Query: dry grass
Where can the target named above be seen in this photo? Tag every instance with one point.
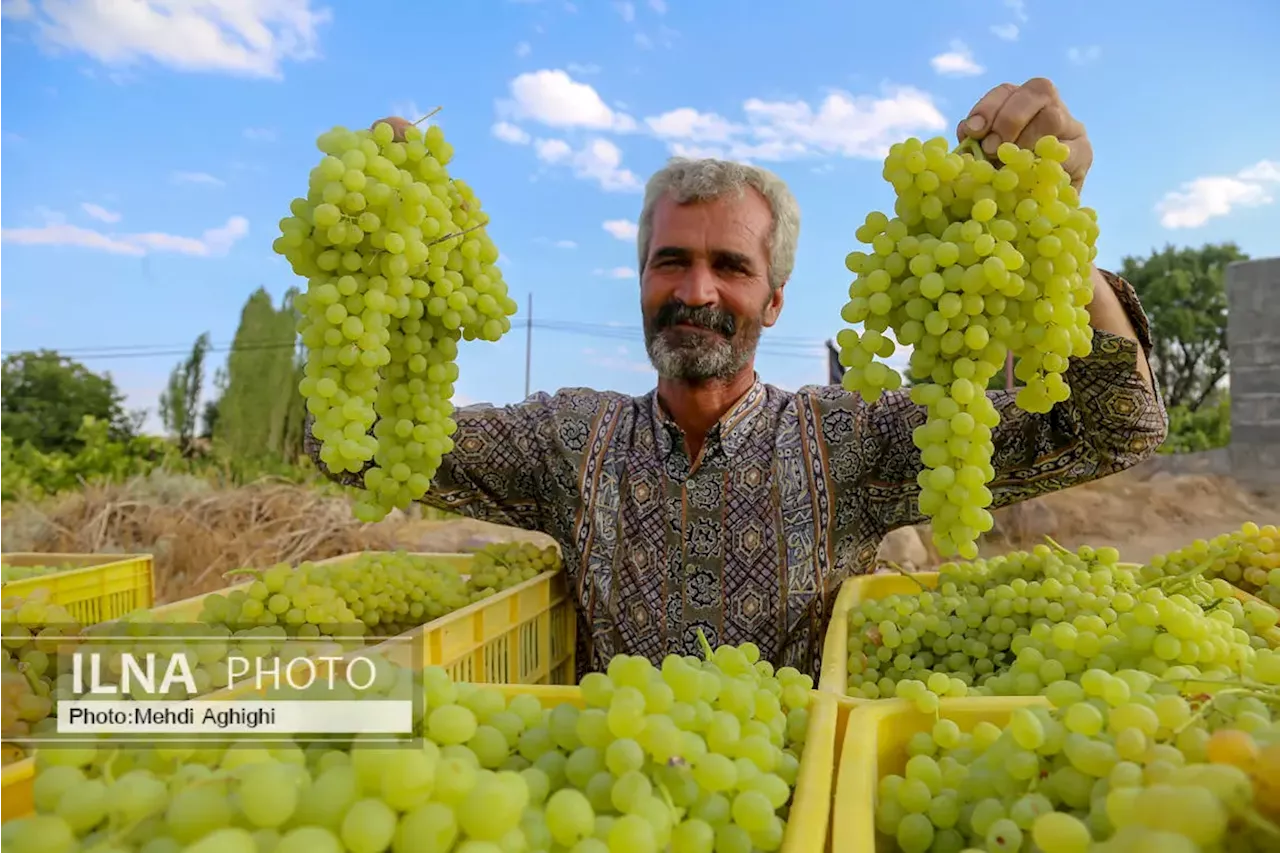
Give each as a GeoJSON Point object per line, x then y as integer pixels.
{"type": "Point", "coordinates": [196, 533]}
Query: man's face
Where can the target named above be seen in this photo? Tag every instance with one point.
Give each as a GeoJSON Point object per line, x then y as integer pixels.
{"type": "Point", "coordinates": [705, 292]}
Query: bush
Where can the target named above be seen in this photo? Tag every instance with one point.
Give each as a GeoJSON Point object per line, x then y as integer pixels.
{"type": "Point", "coordinates": [1194, 430]}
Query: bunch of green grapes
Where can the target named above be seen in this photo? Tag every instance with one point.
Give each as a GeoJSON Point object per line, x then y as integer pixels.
{"type": "Point", "coordinates": [399, 268]}
{"type": "Point", "coordinates": [1248, 558]}
{"type": "Point", "coordinates": [980, 260]}
{"type": "Point", "coordinates": [18, 573]}
{"type": "Point", "coordinates": [34, 631]}
{"type": "Point", "coordinates": [504, 564]}
{"type": "Point", "coordinates": [694, 756]}
{"type": "Point", "coordinates": [1117, 762]}
{"type": "Point", "coordinates": [373, 594]}
{"type": "Point", "coordinates": [1011, 625]}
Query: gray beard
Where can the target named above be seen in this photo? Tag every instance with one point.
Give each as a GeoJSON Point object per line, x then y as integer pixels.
{"type": "Point", "coordinates": [688, 356]}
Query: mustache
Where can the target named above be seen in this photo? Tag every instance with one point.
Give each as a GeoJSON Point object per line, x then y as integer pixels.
{"type": "Point", "coordinates": [702, 316]}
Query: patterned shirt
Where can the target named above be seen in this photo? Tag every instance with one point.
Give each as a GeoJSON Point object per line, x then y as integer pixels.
{"type": "Point", "coordinates": [793, 493]}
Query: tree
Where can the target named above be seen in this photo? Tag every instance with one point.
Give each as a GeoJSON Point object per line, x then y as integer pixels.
{"type": "Point", "coordinates": [209, 417]}
{"type": "Point", "coordinates": [260, 412]}
{"type": "Point", "coordinates": [180, 402]}
{"type": "Point", "coordinates": [46, 397]}
{"type": "Point", "coordinates": [1185, 297]}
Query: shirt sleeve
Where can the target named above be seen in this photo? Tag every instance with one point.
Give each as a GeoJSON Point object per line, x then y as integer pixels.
{"type": "Point", "coordinates": [499, 469]}
{"type": "Point", "coordinates": [1113, 420]}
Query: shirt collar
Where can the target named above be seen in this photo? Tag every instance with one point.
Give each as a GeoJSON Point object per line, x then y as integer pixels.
{"type": "Point", "coordinates": [730, 431]}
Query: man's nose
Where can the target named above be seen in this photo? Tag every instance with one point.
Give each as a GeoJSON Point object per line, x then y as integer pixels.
{"type": "Point", "coordinates": [697, 286]}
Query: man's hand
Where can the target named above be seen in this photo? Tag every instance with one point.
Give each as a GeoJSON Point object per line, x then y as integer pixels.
{"type": "Point", "coordinates": [1023, 114]}
{"type": "Point", "coordinates": [399, 125]}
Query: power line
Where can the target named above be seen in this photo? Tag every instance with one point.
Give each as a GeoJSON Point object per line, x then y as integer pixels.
{"type": "Point", "coordinates": [781, 346]}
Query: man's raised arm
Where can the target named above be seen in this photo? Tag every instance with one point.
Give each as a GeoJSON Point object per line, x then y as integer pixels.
{"type": "Point", "coordinates": [1113, 420]}
{"type": "Point", "coordinates": [499, 469]}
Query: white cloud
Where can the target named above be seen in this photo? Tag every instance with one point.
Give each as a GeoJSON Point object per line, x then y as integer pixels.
{"type": "Point", "coordinates": [18, 10]}
{"type": "Point", "coordinates": [99, 213]}
{"type": "Point", "coordinates": [583, 68]}
{"type": "Point", "coordinates": [689, 124]}
{"type": "Point", "coordinates": [626, 10]}
{"type": "Point", "coordinates": [509, 133]}
{"type": "Point", "coordinates": [553, 98]}
{"type": "Point", "coordinates": [260, 134]}
{"type": "Point", "coordinates": [247, 37]}
{"type": "Point", "coordinates": [552, 150]}
{"type": "Point", "coordinates": [565, 244]}
{"type": "Point", "coordinates": [523, 49]}
{"type": "Point", "coordinates": [841, 124]}
{"type": "Point", "coordinates": [617, 272]}
{"type": "Point", "coordinates": [1084, 55]}
{"type": "Point", "coordinates": [957, 62]}
{"type": "Point", "coordinates": [197, 178]}
{"type": "Point", "coordinates": [623, 229]}
{"type": "Point", "coordinates": [1019, 9]}
{"type": "Point", "coordinates": [1007, 32]}
{"type": "Point", "coordinates": [55, 232]}
{"type": "Point", "coordinates": [643, 41]}
{"type": "Point", "coordinates": [599, 161]}
{"type": "Point", "coordinates": [1198, 201]}
{"type": "Point", "coordinates": [658, 6]}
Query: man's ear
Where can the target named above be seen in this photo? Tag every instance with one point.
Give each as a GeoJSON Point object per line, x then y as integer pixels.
{"type": "Point", "coordinates": [773, 307]}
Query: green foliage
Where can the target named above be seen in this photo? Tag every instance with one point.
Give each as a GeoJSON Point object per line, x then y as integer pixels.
{"type": "Point", "coordinates": [260, 413]}
{"type": "Point", "coordinates": [1204, 428]}
{"type": "Point", "coordinates": [1185, 298]}
{"type": "Point", "coordinates": [180, 401]}
{"type": "Point", "coordinates": [27, 473]}
{"type": "Point", "coordinates": [46, 397]}
{"type": "Point", "coordinates": [100, 455]}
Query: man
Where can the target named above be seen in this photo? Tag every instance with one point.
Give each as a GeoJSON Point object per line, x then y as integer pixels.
{"type": "Point", "coordinates": [723, 504]}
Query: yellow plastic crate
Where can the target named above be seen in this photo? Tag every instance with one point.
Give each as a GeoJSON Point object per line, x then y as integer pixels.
{"type": "Point", "coordinates": [99, 588]}
{"type": "Point", "coordinates": [189, 608]}
{"type": "Point", "coordinates": [834, 678]}
{"type": "Point", "coordinates": [873, 744]}
{"type": "Point", "coordinates": [522, 635]}
{"type": "Point", "coordinates": [807, 828]}
{"type": "Point", "coordinates": [835, 650]}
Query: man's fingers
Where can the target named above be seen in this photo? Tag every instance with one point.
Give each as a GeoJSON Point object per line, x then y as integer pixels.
{"type": "Point", "coordinates": [1079, 161]}
{"type": "Point", "coordinates": [980, 119]}
{"type": "Point", "coordinates": [1018, 111]}
{"type": "Point", "coordinates": [1050, 121]}
{"type": "Point", "coordinates": [398, 124]}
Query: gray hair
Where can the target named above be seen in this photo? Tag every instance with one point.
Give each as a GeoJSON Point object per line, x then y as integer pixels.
{"type": "Point", "coordinates": [688, 181]}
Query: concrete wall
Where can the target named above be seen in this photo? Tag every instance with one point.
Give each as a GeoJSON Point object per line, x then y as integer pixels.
{"type": "Point", "coordinates": [1253, 334]}
{"type": "Point", "coordinates": [1216, 462]}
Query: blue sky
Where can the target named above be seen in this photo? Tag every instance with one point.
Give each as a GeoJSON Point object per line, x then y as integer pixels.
{"type": "Point", "coordinates": [148, 156]}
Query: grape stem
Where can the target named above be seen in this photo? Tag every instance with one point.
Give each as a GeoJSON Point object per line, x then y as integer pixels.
{"type": "Point", "coordinates": [428, 115]}
{"type": "Point", "coordinates": [461, 233]}
{"type": "Point", "coordinates": [973, 147]}
{"type": "Point", "coordinates": [706, 646]}
{"type": "Point", "coordinates": [1054, 544]}
{"type": "Point", "coordinates": [901, 571]}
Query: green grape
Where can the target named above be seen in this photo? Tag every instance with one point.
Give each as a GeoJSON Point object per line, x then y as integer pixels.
{"type": "Point", "coordinates": [399, 268]}
{"type": "Point", "coordinates": [463, 789]}
{"type": "Point", "coordinates": [980, 262]}
{"type": "Point", "coordinates": [1248, 558]}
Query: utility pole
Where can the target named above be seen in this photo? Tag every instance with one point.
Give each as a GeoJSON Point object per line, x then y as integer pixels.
{"type": "Point", "coordinates": [528, 346]}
